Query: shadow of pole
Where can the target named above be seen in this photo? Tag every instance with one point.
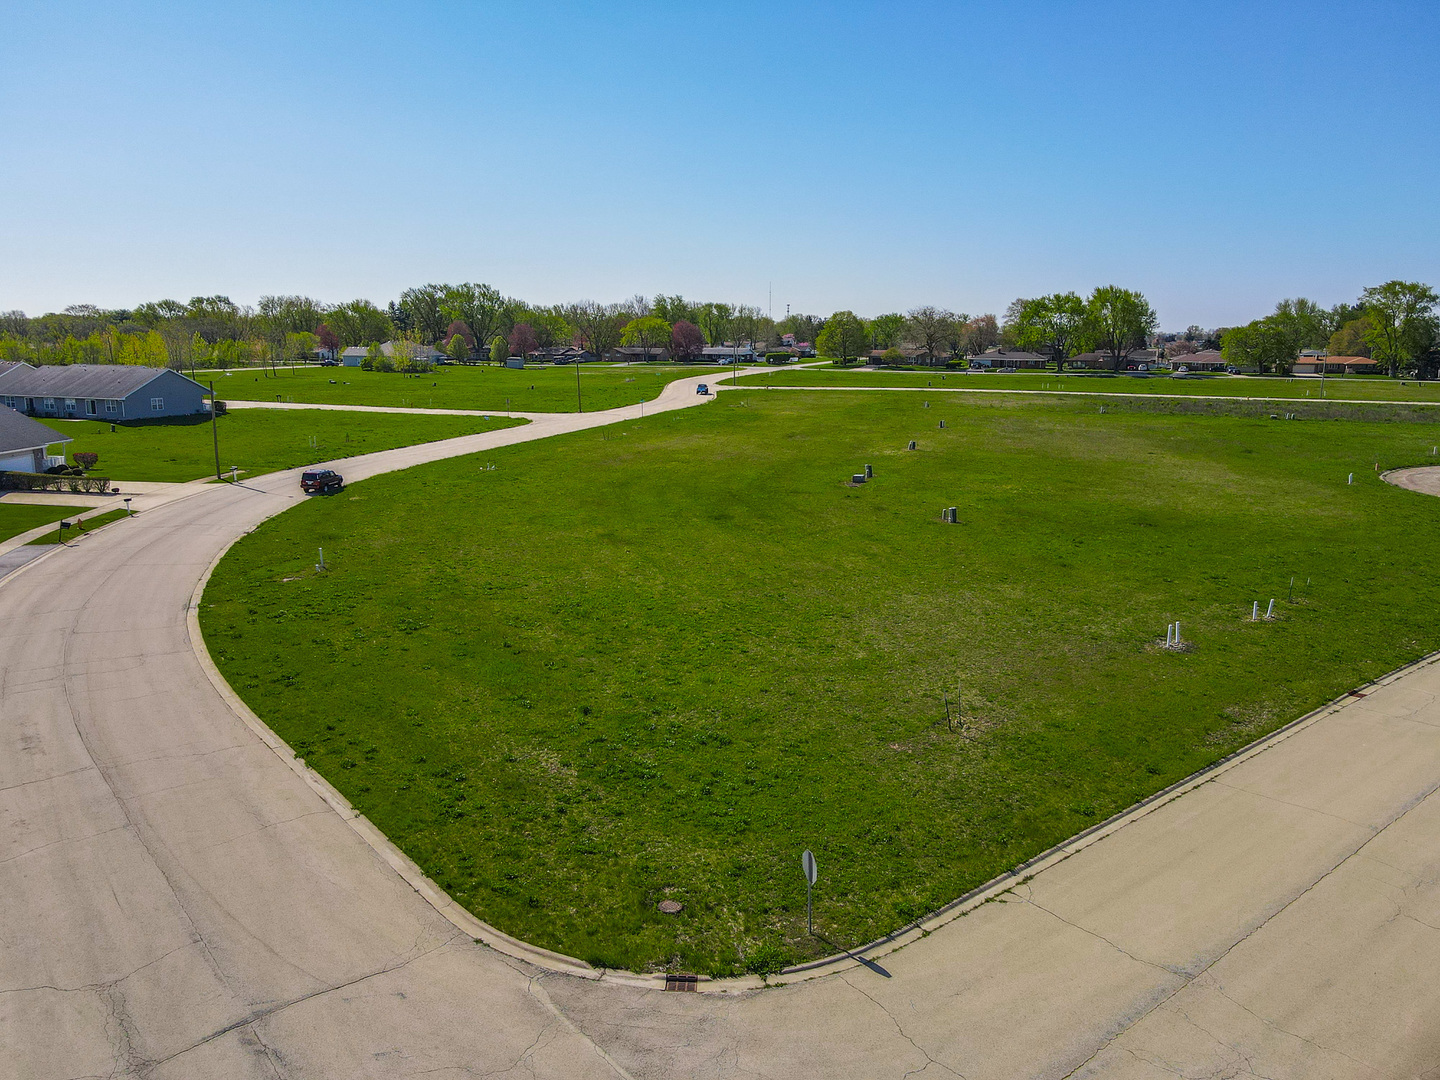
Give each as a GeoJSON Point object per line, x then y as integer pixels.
{"type": "Point", "coordinates": [871, 964]}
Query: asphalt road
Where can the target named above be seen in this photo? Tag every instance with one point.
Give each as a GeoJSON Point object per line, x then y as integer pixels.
{"type": "Point", "coordinates": [179, 899]}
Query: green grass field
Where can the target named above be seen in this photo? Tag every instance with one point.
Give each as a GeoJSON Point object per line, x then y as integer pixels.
{"type": "Point", "coordinates": [255, 440]}
{"type": "Point", "coordinates": [16, 518]}
{"type": "Point", "coordinates": [84, 525]}
{"type": "Point", "coordinates": [537, 389]}
{"type": "Point", "coordinates": [661, 658]}
{"type": "Point", "coordinates": [1306, 388]}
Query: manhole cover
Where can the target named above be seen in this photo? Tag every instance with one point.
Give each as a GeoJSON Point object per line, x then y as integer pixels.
{"type": "Point", "coordinates": [670, 907]}
{"type": "Point", "coordinates": [682, 983]}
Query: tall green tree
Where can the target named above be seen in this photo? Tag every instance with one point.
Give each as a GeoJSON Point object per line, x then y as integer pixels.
{"type": "Point", "coordinates": [648, 332]}
{"type": "Point", "coordinates": [424, 303]}
{"type": "Point", "coordinates": [597, 326]}
{"type": "Point", "coordinates": [480, 307]}
{"type": "Point", "coordinates": [715, 319]}
{"type": "Point", "coordinates": [1351, 339]}
{"type": "Point", "coordinates": [499, 349]}
{"type": "Point", "coordinates": [1049, 325]}
{"type": "Point", "coordinates": [886, 330]}
{"type": "Point", "coordinates": [1116, 321]}
{"type": "Point", "coordinates": [844, 337]}
{"type": "Point", "coordinates": [933, 329]}
{"type": "Point", "coordinates": [1264, 344]}
{"type": "Point", "coordinates": [1402, 321]}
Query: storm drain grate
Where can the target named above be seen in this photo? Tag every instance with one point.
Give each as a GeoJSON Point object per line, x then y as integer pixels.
{"type": "Point", "coordinates": [681, 982]}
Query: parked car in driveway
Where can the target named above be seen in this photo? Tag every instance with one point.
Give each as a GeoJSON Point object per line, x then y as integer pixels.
{"type": "Point", "coordinates": [703, 388]}
{"type": "Point", "coordinates": [321, 481]}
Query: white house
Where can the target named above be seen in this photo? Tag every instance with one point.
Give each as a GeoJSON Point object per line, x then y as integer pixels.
{"type": "Point", "coordinates": [25, 443]}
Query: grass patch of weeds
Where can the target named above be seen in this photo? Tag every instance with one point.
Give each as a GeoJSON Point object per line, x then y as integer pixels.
{"type": "Point", "coordinates": [620, 669]}
{"type": "Point", "coordinates": [17, 518]}
{"type": "Point", "coordinates": [83, 525]}
{"type": "Point", "coordinates": [1306, 389]}
{"type": "Point", "coordinates": [533, 389]}
{"type": "Point", "coordinates": [255, 440]}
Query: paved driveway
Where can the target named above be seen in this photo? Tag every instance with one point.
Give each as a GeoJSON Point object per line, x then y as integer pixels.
{"type": "Point", "coordinates": [177, 901]}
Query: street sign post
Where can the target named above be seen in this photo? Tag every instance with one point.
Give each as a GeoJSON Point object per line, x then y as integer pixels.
{"type": "Point", "coordinates": [807, 863]}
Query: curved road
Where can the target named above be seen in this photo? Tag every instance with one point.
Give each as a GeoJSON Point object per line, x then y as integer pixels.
{"type": "Point", "coordinates": [177, 900]}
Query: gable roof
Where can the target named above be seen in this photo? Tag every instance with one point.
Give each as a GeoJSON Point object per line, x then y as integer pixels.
{"type": "Point", "coordinates": [7, 365]}
{"type": "Point", "coordinates": [19, 432]}
{"type": "Point", "coordinates": [80, 380]}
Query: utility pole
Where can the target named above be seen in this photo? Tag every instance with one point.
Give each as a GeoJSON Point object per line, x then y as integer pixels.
{"type": "Point", "coordinates": [214, 431]}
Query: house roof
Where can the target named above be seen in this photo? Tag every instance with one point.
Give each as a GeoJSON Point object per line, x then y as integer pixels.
{"type": "Point", "coordinates": [18, 432]}
{"type": "Point", "coordinates": [80, 380]}
{"type": "Point", "coordinates": [998, 353]}
{"type": "Point", "coordinates": [1347, 360]}
{"type": "Point", "coordinates": [6, 365]}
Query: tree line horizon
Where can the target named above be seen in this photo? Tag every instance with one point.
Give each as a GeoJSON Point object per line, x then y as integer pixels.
{"type": "Point", "coordinates": [1394, 323]}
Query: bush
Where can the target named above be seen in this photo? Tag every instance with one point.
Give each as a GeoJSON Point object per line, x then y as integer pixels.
{"type": "Point", "coordinates": [778, 357]}
{"type": "Point", "coordinates": [85, 459]}
{"type": "Point", "coordinates": [24, 481]}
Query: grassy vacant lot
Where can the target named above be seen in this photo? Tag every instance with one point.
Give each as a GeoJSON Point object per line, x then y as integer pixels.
{"type": "Point", "coordinates": [464, 387]}
{"type": "Point", "coordinates": [16, 518]}
{"type": "Point", "coordinates": [84, 525]}
{"type": "Point", "coordinates": [1342, 388]}
{"type": "Point", "coordinates": [256, 440]}
{"type": "Point", "coordinates": [660, 659]}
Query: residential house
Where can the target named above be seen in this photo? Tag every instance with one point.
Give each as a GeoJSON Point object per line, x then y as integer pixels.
{"type": "Point", "coordinates": [101, 392]}
{"type": "Point", "coordinates": [631, 354]}
{"type": "Point", "coordinates": [1101, 361]}
{"type": "Point", "coordinates": [355, 355]}
{"type": "Point", "coordinates": [1208, 360]}
{"type": "Point", "coordinates": [25, 444]}
{"type": "Point", "coordinates": [1008, 358]}
{"type": "Point", "coordinates": [1323, 365]}
{"type": "Point", "coordinates": [724, 354]}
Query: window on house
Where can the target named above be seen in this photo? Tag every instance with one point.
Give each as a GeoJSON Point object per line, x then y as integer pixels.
{"type": "Point", "coordinates": [69, 404]}
{"type": "Point", "coordinates": [49, 404]}
{"type": "Point", "coordinates": [90, 408]}
{"type": "Point", "coordinates": [157, 404]}
{"type": "Point", "coordinates": [10, 403]}
{"type": "Point", "coordinates": [109, 406]}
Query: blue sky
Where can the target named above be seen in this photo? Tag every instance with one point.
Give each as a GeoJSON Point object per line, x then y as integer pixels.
{"type": "Point", "coordinates": [870, 156]}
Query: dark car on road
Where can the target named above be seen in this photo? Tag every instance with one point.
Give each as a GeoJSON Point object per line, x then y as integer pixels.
{"type": "Point", "coordinates": [321, 481]}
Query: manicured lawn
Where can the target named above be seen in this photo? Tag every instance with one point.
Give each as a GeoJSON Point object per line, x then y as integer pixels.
{"type": "Point", "coordinates": [255, 440]}
{"type": "Point", "coordinates": [537, 389]}
{"type": "Point", "coordinates": [16, 518]}
{"type": "Point", "coordinates": [662, 658]}
{"type": "Point", "coordinates": [1342, 388]}
{"type": "Point", "coordinates": [84, 525]}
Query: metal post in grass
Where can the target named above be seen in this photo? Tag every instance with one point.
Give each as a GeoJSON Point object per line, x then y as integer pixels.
{"type": "Point", "coordinates": [579, 407]}
{"type": "Point", "coordinates": [807, 863]}
{"type": "Point", "coordinates": [215, 431]}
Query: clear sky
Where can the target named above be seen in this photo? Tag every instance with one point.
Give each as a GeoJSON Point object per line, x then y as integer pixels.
{"type": "Point", "coordinates": [872, 156]}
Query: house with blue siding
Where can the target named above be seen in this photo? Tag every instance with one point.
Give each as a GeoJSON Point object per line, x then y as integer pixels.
{"type": "Point", "coordinates": [101, 392]}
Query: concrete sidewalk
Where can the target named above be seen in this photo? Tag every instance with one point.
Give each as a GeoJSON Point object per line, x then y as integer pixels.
{"type": "Point", "coordinates": [181, 901]}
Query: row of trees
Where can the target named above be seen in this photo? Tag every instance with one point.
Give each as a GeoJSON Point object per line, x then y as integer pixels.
{"type": "Point", "coordinates": [214, 331]}
{"type": "Point", "coordinates": [1394, 323]}
{"type": "Point", "coordinates": [1112, 320]}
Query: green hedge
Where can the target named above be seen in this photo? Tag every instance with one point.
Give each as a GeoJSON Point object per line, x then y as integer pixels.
{"type": "Point", "coordinates": [26, 481]}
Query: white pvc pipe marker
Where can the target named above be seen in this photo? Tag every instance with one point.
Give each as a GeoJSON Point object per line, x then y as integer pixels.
{"type": "Point", "coordinates": [1270, 611]}
{"type": "Point", "coordinates": [1255, 612]}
